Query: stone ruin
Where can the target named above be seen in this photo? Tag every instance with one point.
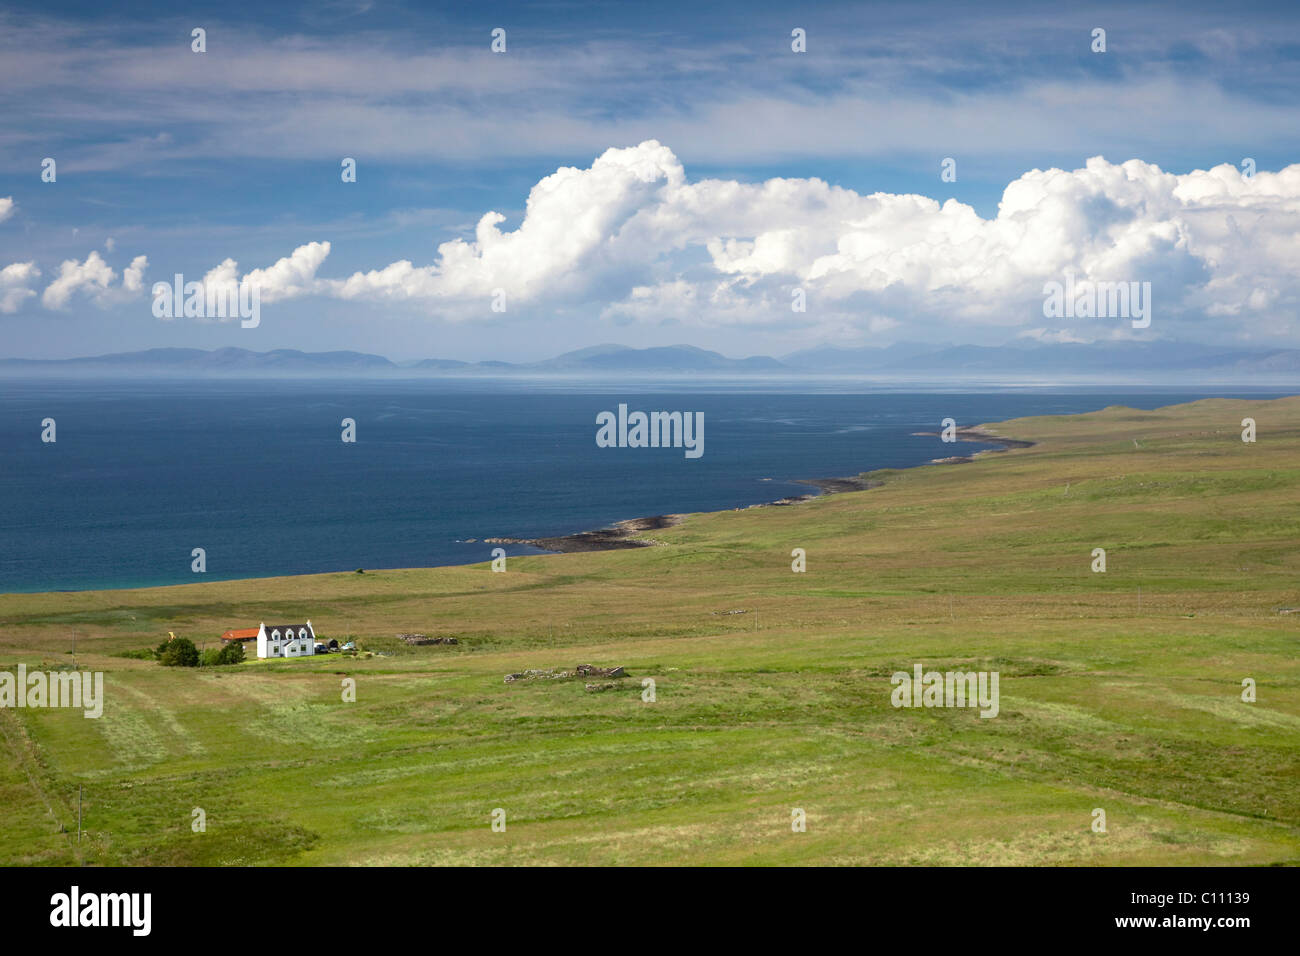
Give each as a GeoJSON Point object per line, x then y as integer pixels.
{"type": "Point", "coordinates": [420, 639]}
{"type": "Point", "coordinates": [582, 670]}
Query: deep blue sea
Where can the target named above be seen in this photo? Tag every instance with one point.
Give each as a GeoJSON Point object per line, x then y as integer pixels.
{"type": "Point", "coordinates": [255, 471]}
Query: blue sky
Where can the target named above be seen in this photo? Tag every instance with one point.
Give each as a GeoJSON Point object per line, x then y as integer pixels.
{"type": "Point", "coordinates": [191, 159]}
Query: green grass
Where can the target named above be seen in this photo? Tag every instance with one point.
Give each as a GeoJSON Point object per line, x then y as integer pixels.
{"type": "Point", "coordinates": [1104, 703]}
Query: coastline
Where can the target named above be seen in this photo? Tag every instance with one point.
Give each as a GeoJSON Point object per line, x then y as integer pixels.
{"type": "Point", "coordinates": [621, 534]}
{"type": "Point", "coordinates": [976, 433]}
{"type": "Point", "coordinates": [627, 533]}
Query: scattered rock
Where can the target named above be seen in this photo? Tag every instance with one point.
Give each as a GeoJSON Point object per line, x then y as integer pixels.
{"type": "Point", "coordinates": [588, 670]}
{"type": "Point", "coordinates": [597, 688]}
{"type": "Point", "coordinates": [419, 639]}
{"type": "Point", "coordinates": [550, 673]}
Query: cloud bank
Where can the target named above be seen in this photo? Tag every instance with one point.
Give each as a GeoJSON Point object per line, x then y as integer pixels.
{"type": "Point", "coordinates": [877, 81]}
{"type": "Point", "coordinates": [632, 239]}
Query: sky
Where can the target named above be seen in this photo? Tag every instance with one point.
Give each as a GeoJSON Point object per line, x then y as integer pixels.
{"type": "Point", "coordinates": [646, 174]}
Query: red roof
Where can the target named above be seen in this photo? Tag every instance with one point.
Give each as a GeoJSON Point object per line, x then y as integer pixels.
{"type": "Point", "coordinates": [246, 634]}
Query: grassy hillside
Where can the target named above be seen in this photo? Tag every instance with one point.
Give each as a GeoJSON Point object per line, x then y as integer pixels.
{"type": "Point", "coordinates": [1119, 691]}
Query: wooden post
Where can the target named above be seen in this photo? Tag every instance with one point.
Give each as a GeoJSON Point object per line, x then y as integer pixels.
{"type": "Point", "coordinates": [78, 813]}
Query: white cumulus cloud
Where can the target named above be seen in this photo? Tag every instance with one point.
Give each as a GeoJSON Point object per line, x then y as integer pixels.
{"type": "Point", "coordinates": [95, 278]}
{"type": "Point", "coordinates": [290, 277]}
{"type": "Point", "coordinates": [15, 284]}
{"type": "Point", "coordinates": [93, 275]}
{"type": "Point", "coordinates": [562, 245]}
{"type": "Point", "coordinates": [133, 275]}
{"type": "Point", "coordinates": [632, 237]}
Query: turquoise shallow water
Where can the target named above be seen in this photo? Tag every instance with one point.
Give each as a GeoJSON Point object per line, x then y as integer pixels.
{"type": "Point", "coordinates": [255, 473]}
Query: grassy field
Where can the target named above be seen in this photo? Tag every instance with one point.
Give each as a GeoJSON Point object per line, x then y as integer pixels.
{"type": "Point", "coordinates": [1119, 690]}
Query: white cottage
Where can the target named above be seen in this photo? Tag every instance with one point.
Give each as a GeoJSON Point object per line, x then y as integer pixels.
{"type": "Point", "coordinates": [286, 640]}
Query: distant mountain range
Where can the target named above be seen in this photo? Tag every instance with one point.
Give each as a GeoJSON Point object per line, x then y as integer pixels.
{"type": "Point", "coordinates": [1164, 361]}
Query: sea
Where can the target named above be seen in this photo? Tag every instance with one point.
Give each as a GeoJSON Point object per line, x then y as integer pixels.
{"type": "Point", "coordinates": [255, 472]}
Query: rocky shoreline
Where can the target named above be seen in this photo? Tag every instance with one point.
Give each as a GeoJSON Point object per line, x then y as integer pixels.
{"type": "Point", "coordinates": [629, 533]}
{"type": "Point", "coordinates": [621, 534]}
{"type": "Point", "coordinates": [976, 435]}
